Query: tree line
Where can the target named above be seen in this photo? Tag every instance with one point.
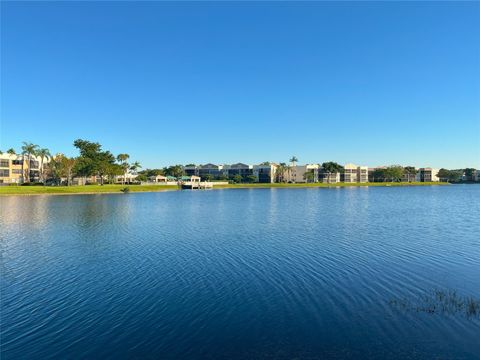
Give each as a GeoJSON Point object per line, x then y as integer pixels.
{"type": "Point", "coordinates": [92, 161]}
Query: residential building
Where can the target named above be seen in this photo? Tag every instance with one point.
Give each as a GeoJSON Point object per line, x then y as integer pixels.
{"type": "Point", "coordinates": [329, 178]}
{"type": "Point", "coordinates": [157, 179]}
{"type": "Point", "coordinates": [241, 169]}
{"type": "Point", "coordinates": [427, 175]}
{"type": "Point", "coordinates": [355, 174]}
{"type": "Point", "coordinates": [210, 169]}
{"type": "Point", "coordinates": [191, 170]}
{"type": "Point", "coordinates": [362, 174]}
{"type": "Point", "coordinates": [16, 169]}
{"type": "Point", "coordinates": [265, 173]}
{"type": "Point", "coordinates": [127, 179]}
{"type": "Point", "coordinates": [298, 173]}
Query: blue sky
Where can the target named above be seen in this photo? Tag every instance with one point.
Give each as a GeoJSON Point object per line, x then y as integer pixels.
{"type": "Point", "coordinates": [371, 83]}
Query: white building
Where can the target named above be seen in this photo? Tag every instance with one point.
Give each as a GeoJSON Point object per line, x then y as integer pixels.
{"type": "Point", "coordinates": [355, 174]}
{"type": "Point", "coordinates": [427, 175]}
{"type": "Point", "coordinates": [298, 173]}
{"type": "Point", "coordinates": [265, 173]}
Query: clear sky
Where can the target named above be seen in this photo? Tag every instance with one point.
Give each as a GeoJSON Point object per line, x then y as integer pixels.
{"type": "Point", "coordinates": [371, 83]}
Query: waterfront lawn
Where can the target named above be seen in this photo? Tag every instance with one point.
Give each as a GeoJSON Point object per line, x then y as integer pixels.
{"type": "Point", "coordinates": [98, 189]}
{"type": "Point", "coordinates": [85, 189]}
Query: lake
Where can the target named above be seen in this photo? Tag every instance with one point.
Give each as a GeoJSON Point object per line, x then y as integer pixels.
{"type": "Point", "coordinates": [347, 273]}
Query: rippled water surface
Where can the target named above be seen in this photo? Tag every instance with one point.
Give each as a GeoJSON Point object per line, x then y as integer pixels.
{"type": "Point", "coordinates": [241, 274]}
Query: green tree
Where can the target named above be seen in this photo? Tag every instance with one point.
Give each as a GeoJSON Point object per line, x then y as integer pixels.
{"type": "Point", "coordinates": [379, 174]}
{"type": "Point", "coordinates": [11, 151]}
{"type": "Point", "coordinates": [61, 166]}
{"type": "Point", "coordinates": [93, 160]}
{"type": "Point", "coordinates": [237, 178]}
{"type": "Point", "coordinates": [394, 172]}
{"type": "Point", "coordinates": [44, 154]}
{"type": "Point", "coordinates": [282, 169]}
{"type": "Point", "coordinates": [450, 175]}
{"type": "Point", "coordinates": [28, 149]}
{"type": "Point", "coordinates": [293, 160]}
{"type": "Point", "coordinates": [411, 173]}
{"type": "Point", "coordinates": [309, 176]}
{"type": "Point", "coordinates": [114, 170]}
{"type": "Point", "coordinates": [175, 170]}
{"type": "Point", "coordinates": [122, 159]}
{"type": "Point", "coordinates": [251, 178]}
{"type": "Point", "coordinates": [67, 166]}
{"type": "Point", "coordinates": [470, 174]}
{"type": "Point", "coordinates": [135, 166]}
{"type": "Point", "coordinates": [330, 168]}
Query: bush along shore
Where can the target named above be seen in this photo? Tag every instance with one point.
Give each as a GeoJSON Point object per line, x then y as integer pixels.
{"type": "Point", "coordinates": [122, 189]}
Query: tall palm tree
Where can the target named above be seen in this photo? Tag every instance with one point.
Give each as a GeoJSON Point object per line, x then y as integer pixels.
{"type": "Point", "coordinates": [293, 160]}
{"type": "Point", "coordinates": [281, 170]}
{"type": "Point", "coordinates": [28, 149]}
{"type": "Point", "coordinates": [122, 159]}
{"type": "Point", "coordinates": [44, 154]}
{"type": "Point", "coordinates": [135, 166]}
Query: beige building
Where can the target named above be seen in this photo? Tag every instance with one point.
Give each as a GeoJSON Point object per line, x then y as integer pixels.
{"type": "Point", "coordinates": [298, 173]}
{"type": "Point", "coordinates": [427, 175]}
{"type": "Point", "coordinates": [329, 178]}
{"type": "Point", "coordinates": [16, 169]}
{"type": "Point", "coordinates": [265, 173]}
{"type": "Point", "coordinates": [355, 174]}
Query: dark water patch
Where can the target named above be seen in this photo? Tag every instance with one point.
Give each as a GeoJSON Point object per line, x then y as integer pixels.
{"type": "Point", "coordinates": [440, 302]}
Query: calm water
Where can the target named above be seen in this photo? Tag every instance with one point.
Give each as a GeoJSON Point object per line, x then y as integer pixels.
{"type": "Point", "coordinates": [241, 274]}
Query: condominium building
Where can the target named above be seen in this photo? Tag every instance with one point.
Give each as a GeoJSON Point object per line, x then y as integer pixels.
{"type": "Point", "coordinates": [329, 178]}
{"type": "Point", "coordinates": [427, 174]}
{"type": "Point", "coordinates": [300, 173]}
{"type": "Point", "coordinates": [241, 169]}
{"type": "Point", "coordinates": [210, 169]}
{"type": "Point", "coordinates": [17, 169]}
{"type": "Point", "coordinates": [191, 170]}
{"type": "Point", "coordinates": [355, 174]}
{"type": "Point", "coordinates": [265, 173]}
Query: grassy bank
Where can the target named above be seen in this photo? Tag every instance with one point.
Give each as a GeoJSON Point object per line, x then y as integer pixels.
{"type": "Point", "coordinates": [98, 189]}
{"type": "Point", "coordinates": [88, 189]}
{"type": "Point", "coordinates": [322, 185]}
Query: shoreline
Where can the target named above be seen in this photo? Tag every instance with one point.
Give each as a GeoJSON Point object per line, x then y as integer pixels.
{"type": "Point", "coordinates": [115, 189]}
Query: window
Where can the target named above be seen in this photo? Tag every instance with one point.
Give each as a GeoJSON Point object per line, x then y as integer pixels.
{"type": "Point", "coordinates": [4, 173]}
{"type": "Point", "coordinates": [17, 171]}
{"type": "Point", "coordinates": [4, 163]}
{"type": "Point", "coordinates": [16, 162]}
{"type": "Point", "coordinates": [34, 164]}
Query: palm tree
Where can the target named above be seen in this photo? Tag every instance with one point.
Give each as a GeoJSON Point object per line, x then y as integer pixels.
{"type": "Point", "coordinates": [281, 170]}
{"type": "Point", "coordinates": [135, 166]}
{"type": "Point", "coordinates": [122, 158]}
{"type": "Point", "coordinates": [28, 149]}
{"type": "Point", "coordinates": [44, 154]}
{"type": "Point", "coordinates": [293, 160]}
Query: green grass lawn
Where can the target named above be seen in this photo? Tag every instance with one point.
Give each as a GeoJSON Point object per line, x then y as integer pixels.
{"type": "Point", "coordinates": [88, 189]}
{"type": "Point", "coordinates": [98, 189]}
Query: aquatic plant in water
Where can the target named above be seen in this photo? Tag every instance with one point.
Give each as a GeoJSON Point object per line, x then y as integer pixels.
{"type": "Point", "coordinates": [440, 302]}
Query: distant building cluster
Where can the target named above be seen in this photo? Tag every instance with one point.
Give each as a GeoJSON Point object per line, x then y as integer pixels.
{"type": "Point", "coordinates": [17, 168]}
